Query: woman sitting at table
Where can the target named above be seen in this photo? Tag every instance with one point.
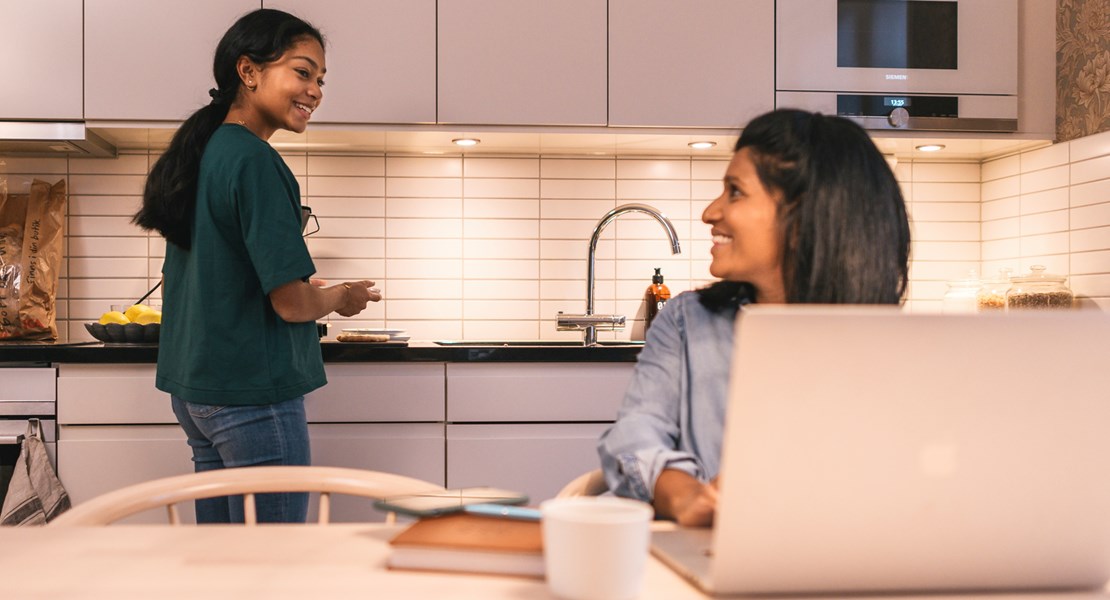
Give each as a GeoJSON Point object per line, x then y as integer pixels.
{"type": "Point", "coordinates": [810, 213]}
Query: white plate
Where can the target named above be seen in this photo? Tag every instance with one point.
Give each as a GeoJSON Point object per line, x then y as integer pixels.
{"type": "Point", "coordinates": [375, 331]}
{"type": "Point", "coordinates": [398, 338]}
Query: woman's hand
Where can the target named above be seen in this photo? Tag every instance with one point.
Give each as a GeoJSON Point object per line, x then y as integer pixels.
{"type": "Point", "coordinates": [299, 302]}
{"type": "Point", "coordinates": [358, 295]}
{"type": "Point", "coordinates": [682, 498]}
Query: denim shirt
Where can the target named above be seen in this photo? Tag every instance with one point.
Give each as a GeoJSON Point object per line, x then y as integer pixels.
{"type": "Point", "coordinates": [673, 413]}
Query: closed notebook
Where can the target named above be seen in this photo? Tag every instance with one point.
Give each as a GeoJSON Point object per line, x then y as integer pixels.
{"type": "Point", "coordinates": [470, 543]}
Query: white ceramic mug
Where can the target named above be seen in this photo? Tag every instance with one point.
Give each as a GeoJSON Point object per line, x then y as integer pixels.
{"type": "Point", "coordinates": [595, 547]}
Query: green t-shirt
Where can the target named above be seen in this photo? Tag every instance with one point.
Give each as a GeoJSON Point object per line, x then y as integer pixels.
{"type": "Point", "coordinates": [221, 341]}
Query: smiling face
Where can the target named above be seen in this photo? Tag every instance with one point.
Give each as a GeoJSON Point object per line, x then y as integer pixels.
{"type": "Point", "coordinates": [286, 91]}
{"type": "Point", "coordinates": [747, 245]}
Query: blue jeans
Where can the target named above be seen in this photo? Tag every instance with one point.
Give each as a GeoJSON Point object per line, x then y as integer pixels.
{"type": "Point", "coordinates": [239, 436]}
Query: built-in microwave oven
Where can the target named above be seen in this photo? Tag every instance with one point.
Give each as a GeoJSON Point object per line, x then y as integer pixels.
{"type": "Point", "coordinates": [901, 64]}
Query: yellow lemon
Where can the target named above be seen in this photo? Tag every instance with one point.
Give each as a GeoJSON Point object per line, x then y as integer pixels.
{"type": "Point", "coordinates": [148, 317]}
{"type": "Point", "coordinates": [133, 312]}
{"type": "Point", "coordinates": [114, 316]}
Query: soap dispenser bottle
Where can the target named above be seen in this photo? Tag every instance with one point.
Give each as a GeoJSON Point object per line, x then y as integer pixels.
{"type": "Point", "coordinates": [656, 297]}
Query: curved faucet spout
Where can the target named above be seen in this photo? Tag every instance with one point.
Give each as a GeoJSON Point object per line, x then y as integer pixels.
{"type": "Point", "coordinates": [609, 218]}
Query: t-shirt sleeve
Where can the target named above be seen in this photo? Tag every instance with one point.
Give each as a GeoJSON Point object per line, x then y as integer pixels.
{"type": "Point", "coordinates": [268, 204]}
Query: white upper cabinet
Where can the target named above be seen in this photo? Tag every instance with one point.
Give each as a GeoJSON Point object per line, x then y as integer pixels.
{"type": "Point", "coordinates": [675, 63]}
{"type": "Point", "coordinates": [381, 58]}
{"type": "Point", "coordinates": [40, 53]}
{"type": "Point", "coordinates": [149, 60]}
{"type": "Point", "coordinates": [513, 62]}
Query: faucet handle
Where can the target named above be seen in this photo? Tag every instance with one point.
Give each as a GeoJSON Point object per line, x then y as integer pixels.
{"type": "Point", "coordinates": [567, 322]}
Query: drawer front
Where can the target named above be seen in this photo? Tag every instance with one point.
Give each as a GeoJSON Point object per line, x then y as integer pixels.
{"type": "Point", "coordinates": [361, 393]}
{"type": "Point", "coordinates": [27, 384]}
{"type": "Point", "coordinates": [111, 394]}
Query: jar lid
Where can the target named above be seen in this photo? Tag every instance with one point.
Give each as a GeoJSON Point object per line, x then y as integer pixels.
{"type": "Point", "coordinates": [1037, 274]}
{"type": "Point", "coordinates": [1004, 275]}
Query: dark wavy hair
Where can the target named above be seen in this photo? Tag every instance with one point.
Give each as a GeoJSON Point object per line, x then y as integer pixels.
{"type": "Point", "coordinates": [169, 198]}
{"type": "Point", "coordinates": [842, 218]}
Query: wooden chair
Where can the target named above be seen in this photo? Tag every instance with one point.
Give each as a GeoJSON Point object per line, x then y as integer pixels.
{"type": "Point", "coordinates": [586, 484]}
{"type": "Point", "coordinates": [246, 481]}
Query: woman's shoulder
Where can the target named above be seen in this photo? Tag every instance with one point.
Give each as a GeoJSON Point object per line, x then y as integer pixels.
{"type": "Point", "coordinates": [236, 147]}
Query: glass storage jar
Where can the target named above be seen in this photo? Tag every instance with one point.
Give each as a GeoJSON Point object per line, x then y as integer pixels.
{"type": "Point", "coordinates": [960, 297]}
{"type": "Point", "coordinates": [1038, 290]}
{"type": "Point", "coordinates": [991, 297]}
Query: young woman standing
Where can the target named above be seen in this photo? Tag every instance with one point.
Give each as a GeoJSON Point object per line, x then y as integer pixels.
{"type": "Point", "coordinates": [239, 346]}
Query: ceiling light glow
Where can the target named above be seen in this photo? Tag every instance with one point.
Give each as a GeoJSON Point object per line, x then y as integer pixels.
{"type": "Point", "coordinates": [466, 141]}
{"type": "Point", "coordinates": [702, 145]}
{"type": "Point", "coordinates": [930, 147]}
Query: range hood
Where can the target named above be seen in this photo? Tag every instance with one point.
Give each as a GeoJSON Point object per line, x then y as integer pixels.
{"type": "Point", "coordinates": [51, 138]}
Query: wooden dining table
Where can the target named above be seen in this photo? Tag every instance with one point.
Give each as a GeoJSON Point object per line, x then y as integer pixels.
{"type": "Point", "coordinates": [272, 562]}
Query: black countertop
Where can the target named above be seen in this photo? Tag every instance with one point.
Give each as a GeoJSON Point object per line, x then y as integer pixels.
{"type": "Point", "coordinates": [334, 352]}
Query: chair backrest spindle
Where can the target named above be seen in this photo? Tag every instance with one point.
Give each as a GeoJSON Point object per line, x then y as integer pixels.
{"type": "Point", "coordinates": [242, 481]}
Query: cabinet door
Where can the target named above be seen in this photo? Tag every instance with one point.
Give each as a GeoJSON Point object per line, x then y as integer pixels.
{"type": "Point", "coordinates": [153, 60]}
{"type": "Point", "coordinates": [511, 62]}
{"type": "Point", "coordinates": [40, 53]}
{"type": "Point", "coordinates": [536, 459]}
{"type": "Point", "coordinates": [94, 460]}
{"type": "Point", "coordinates": [535, 392]}
{"type": "Point", "coordinates": [709, 63]}
{"type": "Point", "coordinates": [98, 459]}
{"type": "Point", "coordinates": [381, 57]}
{"type": "Point", "coordinates": [409, 449]}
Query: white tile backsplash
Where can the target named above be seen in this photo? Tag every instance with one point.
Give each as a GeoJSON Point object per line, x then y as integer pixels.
{"type": "Point", "coordinates": [572, 168]}
{"type": "Point", "coordinates": [1094, 192]}
{"type": "Point", "coordinates": [1090, 170]}
{"type": "Point", "coordinates": [1049, 200]}
{"type": "Point", "coordinates": [355, 166]}
{"type": "Point", "coordinates": [498, 168]}
{"type": "Point", "coordinates": [423, 167]}
{"type": "Point", "coordinates": [493, 247]}
{"type": "Point", "coordinates": [586, 189]}
{"type": "Point", "coordinates": [1006, 187]}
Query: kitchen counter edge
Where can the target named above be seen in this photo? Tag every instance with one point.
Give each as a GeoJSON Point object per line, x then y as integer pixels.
{"type": "Point", "coordinates": [334, 352]}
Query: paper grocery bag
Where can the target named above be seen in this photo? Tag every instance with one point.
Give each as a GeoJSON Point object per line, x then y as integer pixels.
{"type": "Point", "coordinates": [31, 230]}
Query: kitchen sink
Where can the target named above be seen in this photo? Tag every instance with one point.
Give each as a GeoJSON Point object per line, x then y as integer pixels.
{"type": "Point", "coordinates": [548, 343]}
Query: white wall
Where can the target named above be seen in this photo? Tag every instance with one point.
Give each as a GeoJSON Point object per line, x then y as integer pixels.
{"type": "Point", "coordinates": [493, 247]}
{"type": "Point", "coordinates": [1051, 206]}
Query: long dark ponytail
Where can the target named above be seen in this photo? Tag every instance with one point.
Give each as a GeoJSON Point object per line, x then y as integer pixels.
{"type": "Point", "coordinates": [169, 198]}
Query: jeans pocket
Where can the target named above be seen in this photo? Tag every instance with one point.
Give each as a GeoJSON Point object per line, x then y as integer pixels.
{"type": "Point", "coordinates": [203, 411]}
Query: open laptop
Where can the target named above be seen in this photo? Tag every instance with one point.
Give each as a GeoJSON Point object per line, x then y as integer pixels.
{"type": "Point", "coordinates": [871, 450]}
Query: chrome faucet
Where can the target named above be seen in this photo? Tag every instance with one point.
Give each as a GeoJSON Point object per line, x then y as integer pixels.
{"type": "Point", "coordinates": [589, 323]}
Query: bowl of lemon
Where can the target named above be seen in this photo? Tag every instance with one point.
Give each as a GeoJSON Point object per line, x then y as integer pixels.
{"type": "Point", "coordinates": [137, 324]}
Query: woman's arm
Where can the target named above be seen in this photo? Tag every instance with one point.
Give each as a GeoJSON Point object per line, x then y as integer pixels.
{"type": "Point", "coordinates": [680, 497]}
{"type": "Point", "coordinates": [647, 437]}
{"type": "Point", "coordinates": [300, 302]}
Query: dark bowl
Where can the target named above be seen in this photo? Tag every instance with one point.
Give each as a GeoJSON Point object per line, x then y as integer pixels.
{"type": "Point", "coordinates": [131, 333]}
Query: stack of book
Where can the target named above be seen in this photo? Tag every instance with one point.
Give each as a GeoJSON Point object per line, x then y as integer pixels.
{"type": "Point", "coordinates": [466, 542]}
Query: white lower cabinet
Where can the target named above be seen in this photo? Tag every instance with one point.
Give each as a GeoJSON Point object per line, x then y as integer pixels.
{"type": "Point", "coordinates": [530, 427]}
{"type": "Point", "coordinates": [410, 449]}
{"type": "Point", "coordinates": [534, 458]}
{"type": "Point", "coordinates": [96, 459]}
{"type": "Point", "coordinates": [116, 429]}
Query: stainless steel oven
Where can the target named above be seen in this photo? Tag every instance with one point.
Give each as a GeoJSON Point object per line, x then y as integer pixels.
{"type": "Point", "coordinates": [26, 392]}
{"type": "Point", "coordinates": [890, 64]}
